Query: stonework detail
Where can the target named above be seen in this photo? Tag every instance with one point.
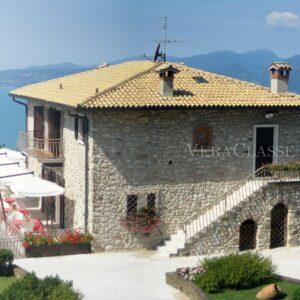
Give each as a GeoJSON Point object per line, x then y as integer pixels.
{"type": "Point", "coordinates": [223, 235]}
{"type": "Point", "coordinates": [73, 166]}
{"type": "Point", "coordinates": [151, 151]}
{"type": "Point", "coordinates": [146, 151]}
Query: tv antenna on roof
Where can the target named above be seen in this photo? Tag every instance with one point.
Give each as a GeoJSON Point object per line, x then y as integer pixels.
{"type": "Point", "coordinates": [165, 41]}
{"type": "Point", "coordinates": [162, 55]}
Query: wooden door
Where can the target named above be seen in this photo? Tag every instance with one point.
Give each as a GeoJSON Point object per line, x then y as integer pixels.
{"type": "Point", "coordinates": [49, 203]}
{"type": "Point", "coordinates": [54, 124]}
{"type": "Point", "coordinates": [38, 128]}
{"type": "Point", "coordinates": [264, 146]}
{"type": "Point", "coordinates": [38, 132]}
{"type": "Point", "coordinates": [54, 142]}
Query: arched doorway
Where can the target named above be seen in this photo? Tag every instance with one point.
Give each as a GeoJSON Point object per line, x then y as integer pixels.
{"type": "Point", "coordinates": [278, 225]}
{"type": "Point", "coordinates": [248, 235]}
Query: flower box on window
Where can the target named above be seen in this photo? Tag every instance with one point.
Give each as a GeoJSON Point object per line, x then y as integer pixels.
{"type": "Point", "coordinates": [143, 221]}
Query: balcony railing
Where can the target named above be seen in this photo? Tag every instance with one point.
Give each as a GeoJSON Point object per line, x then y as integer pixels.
{"type": "Point", "coordinates": [41, 148]}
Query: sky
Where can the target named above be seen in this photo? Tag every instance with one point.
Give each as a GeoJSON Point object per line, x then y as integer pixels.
{"type": "Point", "coordinates": [89, 32]}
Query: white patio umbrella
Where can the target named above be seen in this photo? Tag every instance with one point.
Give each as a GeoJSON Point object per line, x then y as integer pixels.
{"type": "Point", "coordinates": [12, 173]}
{"type": "Point", "coordinates": [36, 187]}
{"type": "Point", "coordinates": [24, 184]}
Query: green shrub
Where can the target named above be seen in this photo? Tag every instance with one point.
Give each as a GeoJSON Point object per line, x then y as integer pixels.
{"type": "Point", "coordinates": [235, 271]}
{"type": "Point", "coordinates": [49, 288]}
{"type": "Point", "coordinates": [296, 295]}
{"type": "Point", "coordinates": [6, 260]}
{"type": "Point", "coordinates": [287, 166]}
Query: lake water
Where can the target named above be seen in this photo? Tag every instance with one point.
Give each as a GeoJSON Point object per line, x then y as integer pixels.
{"type": "Point", "coordinates": [12, 119]}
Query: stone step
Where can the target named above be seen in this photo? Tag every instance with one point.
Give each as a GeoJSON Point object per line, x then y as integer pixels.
{"type": "Point", "coordinates": [177, 240]}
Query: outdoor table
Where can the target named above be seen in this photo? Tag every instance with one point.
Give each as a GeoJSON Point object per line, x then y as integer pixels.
{"type": "Point", "coordinates": [38, 225]}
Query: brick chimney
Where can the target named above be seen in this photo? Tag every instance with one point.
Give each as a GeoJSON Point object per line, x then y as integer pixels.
{"type": "Point", "coordinates": [280, 73]}
{"type": "Point", "coordinates": [166, 75]}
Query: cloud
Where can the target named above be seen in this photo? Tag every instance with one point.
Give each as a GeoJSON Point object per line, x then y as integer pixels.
{"type": "Point", "coordinates": [285, 20]}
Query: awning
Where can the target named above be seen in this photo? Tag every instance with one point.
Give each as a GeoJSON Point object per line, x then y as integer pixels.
{"type": "Point", "coordinates": [11, 173]}
{"type": "Point", "coordinates": [22, 182]}
{"type": "Point", "coordinates": [36, 187]}
{"type": "Point", "coordinates": [5, 161]}
{"type": "Point", "coordinates": [16, 155]}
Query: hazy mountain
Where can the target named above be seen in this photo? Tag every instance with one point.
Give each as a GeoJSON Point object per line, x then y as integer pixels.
{"type": "Point", "coordinates": [250, 66]}
{"type": "Point", "coordinates": [63, 66]}
{"type": "Point", "coordinates": [33, 74]}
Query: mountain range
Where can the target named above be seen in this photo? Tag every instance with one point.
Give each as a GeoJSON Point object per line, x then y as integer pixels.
{"type": "Point", "coordinates": [249, 66]}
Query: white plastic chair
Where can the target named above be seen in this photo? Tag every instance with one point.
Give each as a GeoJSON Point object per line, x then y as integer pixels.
{"type": "Point", "coordinates": [15, 215]}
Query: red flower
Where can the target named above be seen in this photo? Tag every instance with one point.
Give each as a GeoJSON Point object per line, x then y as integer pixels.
{"type": "Point", "coordinates": [143, 221]}
{"type": "Point", "coordinates": [25, 245]}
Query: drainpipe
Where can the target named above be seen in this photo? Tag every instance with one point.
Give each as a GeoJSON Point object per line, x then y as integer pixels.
{"type": "Point", "coordinates": [26, 117]}
{"type": "Point", "coordinates": [86, 167]}
{"type": "Point", "coordinates": [86, 142]}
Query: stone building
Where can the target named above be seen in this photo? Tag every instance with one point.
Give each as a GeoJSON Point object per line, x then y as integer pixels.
{"type": "Point", "coordinates": [182, 140]}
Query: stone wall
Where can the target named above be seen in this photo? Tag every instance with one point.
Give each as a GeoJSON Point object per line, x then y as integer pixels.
{"type": "Point", "coordinates": [148, 151]}
{"type": "Point", "coordinates": [75, 176]}
{"type": "Point", "coordinates": [222, 236]}
{"type": "Point", "coordinates": [140, 152]}
{"type": "Point", "coordinates": [73, 166]}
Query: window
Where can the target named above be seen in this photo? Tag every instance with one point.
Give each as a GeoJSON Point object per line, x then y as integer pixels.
{"type": "Point", "coordinates": [80, 128]}
{"type": "Point", "coordinates": [248, 235]}
{"type": "Point", "coordinates": [200, 79]}
{"type": "Point", "coordinates": [132, 204]}
{"type": "Point", "coordinates": [202, 137]}
{"type": "Point", "coordinates": [151, 201]}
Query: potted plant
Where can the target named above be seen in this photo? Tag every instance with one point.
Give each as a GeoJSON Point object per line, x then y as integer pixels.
{"type": "Point", "coordinates": [144, 221]}
{"type": "Point", "coordinates": [285, 170]}
{"type": "Point", "coordinates": [45, 244]}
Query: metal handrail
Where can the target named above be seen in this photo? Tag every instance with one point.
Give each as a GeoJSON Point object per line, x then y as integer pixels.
{"type": "Point", "coordinates": [231, 198]}
{"type": "Point", "coordinates": [27, 141]}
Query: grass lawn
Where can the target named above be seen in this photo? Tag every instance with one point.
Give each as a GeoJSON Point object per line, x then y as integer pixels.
{"type": "Point", "coordinates": [289, 288]}
{"type": "Point", "coordinates": [5, 282]}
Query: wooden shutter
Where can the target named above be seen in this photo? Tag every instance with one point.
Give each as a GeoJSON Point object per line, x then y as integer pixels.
{"type": "Point", "coordinates": [38, 127]}
{"type": "Point", "coordinates": [76, 127]}
{"type": "Point", "coordinates": [84, 128]}
{"type": "Point", "coordinates": [54, 124]}
{"type": "Point", "coordinates": [203, 136]}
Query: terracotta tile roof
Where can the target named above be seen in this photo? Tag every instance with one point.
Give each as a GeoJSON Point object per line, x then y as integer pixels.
{"type": "Point", "coordinates": [74, 89]}
{"type": "Point", "coordinates": [136, 84]}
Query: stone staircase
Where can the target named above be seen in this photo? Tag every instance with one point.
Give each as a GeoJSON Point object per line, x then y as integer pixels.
{"type": "Point", "coordinates": [227, 202]}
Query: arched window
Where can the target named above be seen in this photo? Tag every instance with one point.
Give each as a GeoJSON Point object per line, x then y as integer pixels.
{"type": "Point", "coordinates": [248, 235]}
{"type": "Point", "coordinates": [202, 137]}
{"type": "Point", "coordinates": [278, 225]}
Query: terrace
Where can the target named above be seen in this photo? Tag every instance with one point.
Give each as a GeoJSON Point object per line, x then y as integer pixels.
{"type": "Point", "coordinates": [27, 202]}
{"type": "Point", "coordinates": [42, 148]}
